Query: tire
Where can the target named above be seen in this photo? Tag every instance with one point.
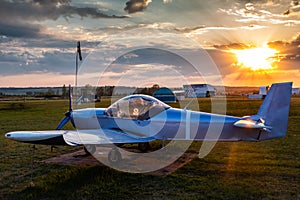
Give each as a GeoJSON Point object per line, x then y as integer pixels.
{"type": "Point", "coordinates": [114, 156]}
{"type": "Point", "coordinates": [144, 146]}
{"type": "Point", "coordinates": [89, 149]}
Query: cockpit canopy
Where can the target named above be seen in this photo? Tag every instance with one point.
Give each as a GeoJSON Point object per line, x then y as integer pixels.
{"type": "Point", "coordinates": [141, 107]}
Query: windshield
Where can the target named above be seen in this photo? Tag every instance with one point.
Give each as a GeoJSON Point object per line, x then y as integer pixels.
{"type": "Point", "coordinates": [140, 107]}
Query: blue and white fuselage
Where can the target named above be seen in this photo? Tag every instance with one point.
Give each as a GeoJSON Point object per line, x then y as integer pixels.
{"type": "Point", "coordinates": [142, 118]}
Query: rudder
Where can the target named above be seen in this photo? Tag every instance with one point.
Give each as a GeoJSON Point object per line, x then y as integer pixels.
{"type": "Point", "coordinates": [275, 108]}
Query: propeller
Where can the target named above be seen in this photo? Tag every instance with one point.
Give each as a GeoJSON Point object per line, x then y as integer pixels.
{"type": "Point", "coordinates": [68, 115]}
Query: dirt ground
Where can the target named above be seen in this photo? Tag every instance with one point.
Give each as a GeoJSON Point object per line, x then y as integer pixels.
{"type": "Point", "coordinates": [80, 158]}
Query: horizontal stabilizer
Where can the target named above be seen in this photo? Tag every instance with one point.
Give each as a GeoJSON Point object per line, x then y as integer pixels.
{"type": "Point", "coordinates": [248, 123]}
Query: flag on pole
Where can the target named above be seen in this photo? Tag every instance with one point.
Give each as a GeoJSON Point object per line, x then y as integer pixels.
{"type": "Point", "coordinates": [79, 50]}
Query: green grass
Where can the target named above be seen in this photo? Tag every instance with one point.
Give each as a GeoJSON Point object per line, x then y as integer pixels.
{"type": "Point", "coordinates": [233, 170]}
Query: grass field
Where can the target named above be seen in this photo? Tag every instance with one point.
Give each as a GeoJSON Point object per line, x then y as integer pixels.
{"type": "Point", "coordinates": [233, 170]}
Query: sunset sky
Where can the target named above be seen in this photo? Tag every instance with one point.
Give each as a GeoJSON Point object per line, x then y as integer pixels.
{"type": "Point", "coordinates": [143, 42]}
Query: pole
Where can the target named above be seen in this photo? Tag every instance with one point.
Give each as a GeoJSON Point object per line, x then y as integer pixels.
{"type": "Point", "coordinates": [76, 70]}
{"type": "Point", "coordinates": [78, 56]}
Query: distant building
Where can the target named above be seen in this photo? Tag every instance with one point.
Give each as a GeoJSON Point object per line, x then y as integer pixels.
{"type": "Point", "coordinates": [199, 90]}
{"type": "Point", "coordinates": [296, 91]}
{"type": "Point", "coordinates": [263, 91]}
{"type": "Point", "coordinates": [180, 95]}
{"type": "Point", "coordinates": [165, 95]}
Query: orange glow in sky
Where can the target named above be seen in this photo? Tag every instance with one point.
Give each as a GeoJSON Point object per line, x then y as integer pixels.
{"type": "Point", "coordinates": [260, 58]}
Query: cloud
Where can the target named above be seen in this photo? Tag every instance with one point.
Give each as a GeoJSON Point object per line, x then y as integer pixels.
{"type": "Point", "coordinates": [40, 10]}
{"type": "Point", "coordinates": [189, 29]}
{"type": "Point", "coordinates": [32, 55]}
{"type": "Point", "coordinates": [295, 7]}
{"type": "Point", "coordinates": [289, 53]}
{"type": "Point", "coordinates": [263, 12]}
{"type": "Point", "coordinates": [237, 46]}
{"type": "Point", "coordinates": [288, 56]}
{"type": "Point", "coordinates": [133, 6]}
{"type": "Point", "coordinates": [22, 30]}
{"type": "Point", "coordinates": [23, 18]}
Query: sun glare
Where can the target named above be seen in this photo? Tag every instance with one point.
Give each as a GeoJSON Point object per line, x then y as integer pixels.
{"type": "Point", "coordinates": [260, 58]}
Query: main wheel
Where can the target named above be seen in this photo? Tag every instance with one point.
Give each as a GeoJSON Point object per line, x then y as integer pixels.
{"type": "Point", "coordinates": [144, 146]}
{"type": "Point", "coordinates": [89, 148]}
{"type": "Point", "coordinates": [114, 156]}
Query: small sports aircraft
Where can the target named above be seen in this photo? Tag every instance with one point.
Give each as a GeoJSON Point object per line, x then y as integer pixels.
{"type": "Point", "coordinates": [141, 119]}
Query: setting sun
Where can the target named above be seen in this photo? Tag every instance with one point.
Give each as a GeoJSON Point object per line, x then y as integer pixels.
{"type": "Point", "coordinates": [261, 58]}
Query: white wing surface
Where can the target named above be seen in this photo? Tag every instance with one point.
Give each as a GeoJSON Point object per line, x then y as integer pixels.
{"type": "Point", "coordinates": [101, 136]}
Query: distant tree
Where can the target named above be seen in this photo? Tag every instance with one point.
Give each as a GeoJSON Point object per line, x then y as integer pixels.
{"type": "Point", "coordinates": [144, 91]}
{"type": "Point", "coordinates": [49, 92]}
{"type": "Point", "coordinates": [87, 90]}
{"type": "Point", "coordinates": [153, 89]}
{"type": "Point", "coordinates": [100, 91]}
{"type": "Point", "coordinates": [108, 90]}
{"type": "Point", "coordinates": [41, 94]}
{"type": "Point", "coordinates": [155, 86]}
{"type": "Point", "coordinates": [64, 92]}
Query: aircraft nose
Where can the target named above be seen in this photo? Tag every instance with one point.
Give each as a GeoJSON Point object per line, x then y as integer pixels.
{"type": "Point", "coordinates": [8, 135]}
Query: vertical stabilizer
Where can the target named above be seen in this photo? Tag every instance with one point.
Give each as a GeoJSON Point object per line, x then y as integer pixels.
{"type": "Point", "coordinates": [275, 108]}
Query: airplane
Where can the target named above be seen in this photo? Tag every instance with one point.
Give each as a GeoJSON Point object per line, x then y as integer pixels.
{"type": "Point", "coordinates": [140, 119]}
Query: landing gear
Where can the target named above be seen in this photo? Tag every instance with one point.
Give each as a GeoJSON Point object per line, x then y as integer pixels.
{"type": "Point", "coordinates": [119, 144]}
{"type": "Point", "coordinates": [114, 156]}
{"type": "Point", "coordinates": [144, 146]}
{"type": "Point", "coordinates": [89, 149]}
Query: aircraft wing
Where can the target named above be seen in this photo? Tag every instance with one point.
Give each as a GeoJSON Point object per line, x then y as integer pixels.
{"type": "Point", "coordinates": [101, 136]}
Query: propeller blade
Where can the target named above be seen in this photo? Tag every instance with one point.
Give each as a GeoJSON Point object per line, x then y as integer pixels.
{"type": "Point", "coordinates": [63, 122]}
{"type": "Point", "coordinates": [68, 115]}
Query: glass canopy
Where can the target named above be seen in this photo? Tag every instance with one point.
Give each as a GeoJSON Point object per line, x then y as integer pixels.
{"type": "Point", "coordinates": [141, 107]}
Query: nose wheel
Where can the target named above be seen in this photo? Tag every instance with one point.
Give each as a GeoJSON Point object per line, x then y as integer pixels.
{"type": "Point", "coordinates": [114, 156]}
{"type": "Point", "coordinates": [89, 149]}
{"type": "Point", "coordinates": [144, 146]}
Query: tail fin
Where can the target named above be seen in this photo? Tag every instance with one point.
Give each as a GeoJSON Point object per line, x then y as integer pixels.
{"type": "Point", "coordinates": [275, 109]}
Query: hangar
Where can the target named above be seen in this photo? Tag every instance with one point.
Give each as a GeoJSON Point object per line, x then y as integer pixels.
{"type": "Point", "coordinates": [199, 90]}
{"type": "Point", "coordinates": [165, 95]}
{"type": "Point", "coordinates": [296, 91]}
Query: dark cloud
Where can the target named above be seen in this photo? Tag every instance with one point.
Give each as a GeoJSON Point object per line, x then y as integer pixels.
{"type": "Point", "coordinates": [26, 63]}
{"type": "Point", "coordinates": [152, 56]}
{"type": "Point", "coordinates": [53, 55]}
{"type": "Point", "coordinates": [289, 51]}
{"type": "Point", "coordinates": [133, 6]}
{"type": "Point", "coordinates": [40, 10]}
{"type": "Point", "coordinates": [19, 18]}
{"type": "Point", "coordinates": [22, 30]}
{"type": "Point", "coordinates": [189, 29]}
{"type": "Point", "coordinates": [236, 46]}
{"type": "Point", "coordinates": [165, 59]}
